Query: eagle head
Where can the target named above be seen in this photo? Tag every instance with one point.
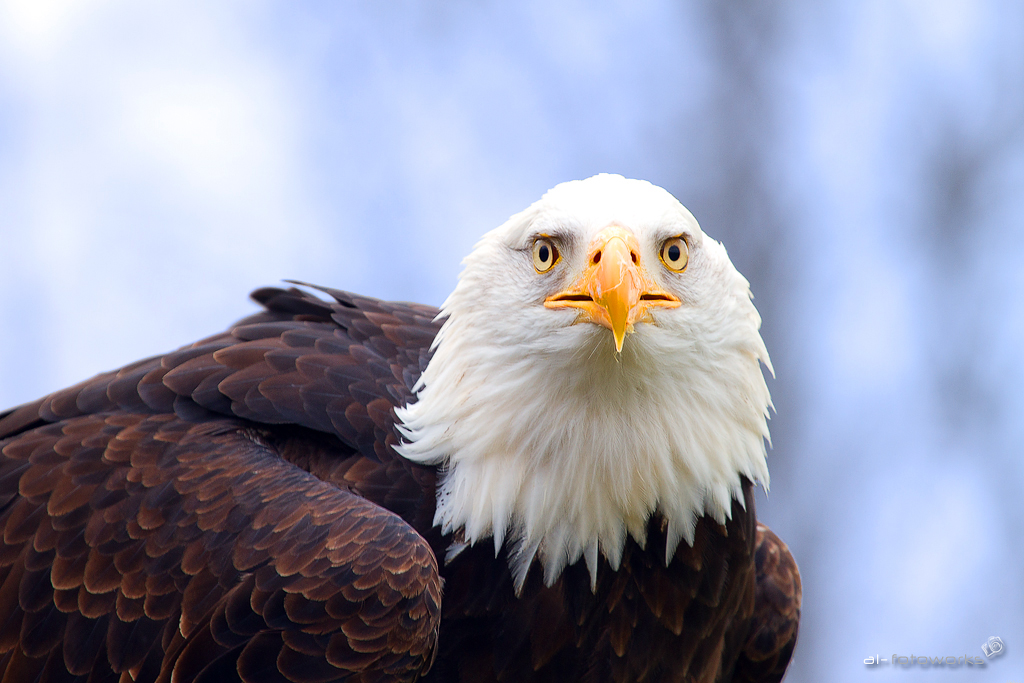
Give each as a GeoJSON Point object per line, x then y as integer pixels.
{"type": "Point", "coordinates": [599, 364]}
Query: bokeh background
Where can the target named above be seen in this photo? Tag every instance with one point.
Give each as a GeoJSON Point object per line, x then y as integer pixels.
{"type": "Point", "coordinates": [863, 161]}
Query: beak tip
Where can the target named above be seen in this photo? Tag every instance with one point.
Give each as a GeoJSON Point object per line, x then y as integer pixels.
{"type": "Point", "coordinates": [619, 339]}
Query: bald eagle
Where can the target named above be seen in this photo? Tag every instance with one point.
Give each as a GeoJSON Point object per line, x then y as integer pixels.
{"type": "Point", "coordinates": [548, 479]}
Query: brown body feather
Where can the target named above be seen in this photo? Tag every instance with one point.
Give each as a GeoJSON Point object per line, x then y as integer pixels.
{"type": "Point", "coordinates": [235, 510]}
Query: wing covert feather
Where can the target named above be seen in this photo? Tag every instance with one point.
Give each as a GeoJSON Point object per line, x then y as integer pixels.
{"type": "Point", "coordinates": [337, 367]}
{"type": "Point", "coordinates": [303, 360]}
{"type": "Point", "coordinates": [137, 538]}
{"type": "Point", "coordinates": [776, 618]}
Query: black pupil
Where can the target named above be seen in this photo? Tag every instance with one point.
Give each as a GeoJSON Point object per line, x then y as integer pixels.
{"type": "Point", "coordinates": [673, 252]}
{"type": "Point", "coordinates": [543, 253]}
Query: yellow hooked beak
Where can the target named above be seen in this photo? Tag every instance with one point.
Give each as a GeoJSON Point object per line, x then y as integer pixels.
{"type": "Point", "coordinates": [614, 289]}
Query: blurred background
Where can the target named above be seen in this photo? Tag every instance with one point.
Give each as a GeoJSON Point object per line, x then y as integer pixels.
{"type": "Point", "coordinates": [863, 162]}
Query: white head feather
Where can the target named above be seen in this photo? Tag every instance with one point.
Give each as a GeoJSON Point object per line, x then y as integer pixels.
{"type": "Point", "coordinates": [553, 441]}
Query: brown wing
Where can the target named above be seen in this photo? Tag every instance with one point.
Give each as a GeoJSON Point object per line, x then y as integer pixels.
{"type": "Point", "coordinates": [153, 546]}
{"type": "Point", "coordinates": [153, 528]}
{"type": "Point", "coordinates": [776, 616]}
{"type": "Point", "coordinates": [337, 368]}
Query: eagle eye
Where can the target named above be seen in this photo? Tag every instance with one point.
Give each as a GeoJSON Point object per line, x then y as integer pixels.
{"type": "Point", "coordinates": [674, 254]}
{"type": "Point", "coordinates": [545, 254]}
